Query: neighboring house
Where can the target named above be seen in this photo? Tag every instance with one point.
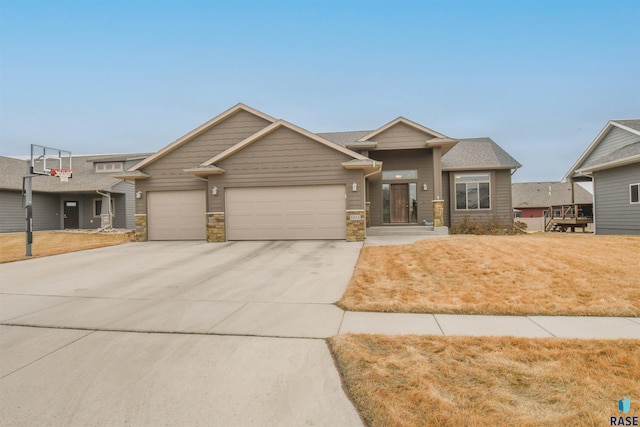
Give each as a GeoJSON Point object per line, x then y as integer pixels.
{"type": "Point", "coordinates": [245, 175]}
{"type": "Point", "coordinates": [533, 202]}
{"type": "Point", "coordinates": [70, 205]}
{"type": "Point", "coordinates": [612, 162]}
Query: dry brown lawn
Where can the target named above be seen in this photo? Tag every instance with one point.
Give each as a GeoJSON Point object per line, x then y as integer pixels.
{"type": "Point", "coordinates": [56, 242]}
{"type": "Point", "coordinates": [550, 274]}
{"type": "Point", "coordinates": [471, 381]}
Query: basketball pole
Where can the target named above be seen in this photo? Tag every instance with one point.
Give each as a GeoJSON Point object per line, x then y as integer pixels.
{"type": "Point", "coordinates": [28, 206]}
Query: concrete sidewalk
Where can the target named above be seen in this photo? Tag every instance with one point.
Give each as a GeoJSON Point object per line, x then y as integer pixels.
{"type": "Point", "coordinates": [287, 320]}
{"type": "Point", "coordinates": [478, 325]}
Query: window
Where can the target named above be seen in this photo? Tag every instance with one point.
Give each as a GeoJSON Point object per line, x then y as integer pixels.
{"type": "Point", "coordinates": [391, 175]}
{"type": "Point", "coordinates": [109, 167]}
{"type": "Point", "coordinates": [634, 193]}
{"type": "Point", "coordinates": [473, 191]}
{"type": "Point", "coordinates": [97, 207]}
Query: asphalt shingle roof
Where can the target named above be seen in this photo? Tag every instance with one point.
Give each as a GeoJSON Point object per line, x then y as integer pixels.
{"type": "Point", "coordinates": [536, 194]}
{"type": "Point", "coordinates": [473, 153]}
{"type": "Point", "coordinates": [344, 138]}
{"type": "Point", "coordinates": [627, 151]}
{"type": "Point", "coordinates": [469, 153]}
{"type": "Point", "coordinates": [84, 179]}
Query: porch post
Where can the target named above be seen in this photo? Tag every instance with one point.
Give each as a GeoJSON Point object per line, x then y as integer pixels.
{"type": "Point", "coordinates": [437, 174]}
{"type": "Point", "coordinates": [438, 202]}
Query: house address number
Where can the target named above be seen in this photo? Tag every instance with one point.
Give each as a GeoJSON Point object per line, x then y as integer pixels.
{"type": "Point", "coordinates": [355, 217]}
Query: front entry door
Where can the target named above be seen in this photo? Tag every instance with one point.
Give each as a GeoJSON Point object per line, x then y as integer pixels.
{"type": "Point", "coordinates": [71, 214]}
{"type": "Point", "coordinates": [399, 203]}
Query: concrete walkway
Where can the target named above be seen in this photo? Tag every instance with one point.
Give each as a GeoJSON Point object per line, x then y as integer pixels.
{"type": "Point", "coordinates": [198, 334]}
{"type": "Point", "coordinates": [475, 325]}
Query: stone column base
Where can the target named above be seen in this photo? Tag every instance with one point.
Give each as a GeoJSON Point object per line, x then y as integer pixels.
{"type": "Point", "coordinates": [438, 213]}
{"type": "Point", "coordinates": [215, 227]}
{"type": "Point", "coordinates": [141, 228]}
{"type": "Point", "coordinates": [355, 225]}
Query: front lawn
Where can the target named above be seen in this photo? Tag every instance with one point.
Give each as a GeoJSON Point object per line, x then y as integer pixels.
{"type": "Point", "coordinates": [543, 274]}
{"type": "Point", "coordinates": [47, 243]}
{"type": "Point", "coordinates": [487, 381]}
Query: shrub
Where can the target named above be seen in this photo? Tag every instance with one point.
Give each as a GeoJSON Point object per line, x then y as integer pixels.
{"type": "Point", "coordinates": [494, 226]}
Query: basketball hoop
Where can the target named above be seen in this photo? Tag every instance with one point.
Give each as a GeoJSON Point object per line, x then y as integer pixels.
{"type": "Point", "coordinates": [63, 174]}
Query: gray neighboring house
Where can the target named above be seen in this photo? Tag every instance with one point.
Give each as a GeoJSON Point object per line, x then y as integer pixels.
{"type": "Point", "coordinates": [71, 205]}
{"type": "Point", "coordinates": [245, 175]}
{"type": "Point", "coordinates": [535, 202]}
{"type": "Point", "coordinates": [612, 162]}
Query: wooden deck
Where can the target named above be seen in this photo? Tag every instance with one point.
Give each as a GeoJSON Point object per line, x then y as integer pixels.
{"type": "Point", "coordinates": [570, 217]}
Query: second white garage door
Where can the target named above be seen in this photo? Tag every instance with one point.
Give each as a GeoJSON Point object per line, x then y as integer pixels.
{"type": "Point", "coordinates": [177, 215]}
{"type": "Point", "coordinates": [286, 213]}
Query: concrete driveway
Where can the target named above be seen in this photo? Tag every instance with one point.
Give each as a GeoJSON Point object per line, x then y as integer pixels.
{"type": "Point", "coordinates": [237, 335]}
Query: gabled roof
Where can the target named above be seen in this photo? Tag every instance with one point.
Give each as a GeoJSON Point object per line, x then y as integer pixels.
{"type": "Point", "coordinates": [631, 125]}
{"type": "Point", "coordinates": [84, 179]}
{"type": "Point", "coordinates": [478, 153]}
{"type": "Point", "coordinates": [344, 138]}
{"type": "Point", "coordinates": [545, 194]}
{"type": "Point", "coordinates": [404, 121]}
{"type": "Point", "coordinates": [200, 129]}
{"type": "Point", "coordinates": [273, 127]}
{"type": "Point", "coordinates": [626, 155]}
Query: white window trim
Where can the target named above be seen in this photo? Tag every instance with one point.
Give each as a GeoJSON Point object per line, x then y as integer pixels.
{"type": "Point", "coordinates": [630, 200]}
{"type": "Point", "coordinates": [462, 181]}
{"type": "Point", "coordinates": [115, 167]}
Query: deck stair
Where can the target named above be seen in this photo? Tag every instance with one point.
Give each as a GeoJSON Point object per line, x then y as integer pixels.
{"type": "Point", "coordinates": [566, 218]}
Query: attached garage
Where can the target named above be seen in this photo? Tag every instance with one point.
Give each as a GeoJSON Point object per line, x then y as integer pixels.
{"type": "Point", "coordinates": [286, 213]}
{"type": "Point", "coordinates": [177, 215]}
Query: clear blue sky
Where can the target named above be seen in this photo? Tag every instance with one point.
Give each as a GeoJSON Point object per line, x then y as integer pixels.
{"type": "Point", "coordinates": [541, 78]}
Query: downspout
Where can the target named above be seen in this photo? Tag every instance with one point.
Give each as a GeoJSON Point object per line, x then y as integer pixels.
{"type": "Point", "coordinates": [108, 196]}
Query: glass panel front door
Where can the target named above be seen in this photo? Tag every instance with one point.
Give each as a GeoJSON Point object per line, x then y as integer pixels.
{"type": "Point", "coordinates": [399, 203]}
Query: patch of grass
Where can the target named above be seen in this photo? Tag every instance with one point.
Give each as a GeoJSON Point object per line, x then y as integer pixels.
{"type": "Point", "coordinates": [486, 381]}
{"type": "Point", "coordinates": [47, 243]}
{"type": "Point", "coordinates": [541, 274]}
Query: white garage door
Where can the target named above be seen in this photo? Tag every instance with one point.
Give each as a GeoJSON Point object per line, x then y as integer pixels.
{"type": "Point", "coordinates": [176, 215]}
{"type": "Point", "coordinates": [286, 213]}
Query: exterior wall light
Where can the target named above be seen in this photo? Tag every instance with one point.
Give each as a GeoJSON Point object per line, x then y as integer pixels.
{"type": "Point", "coordinates": [214, 191]}
{"type": "Point", "coordinates": [424, 186]}
{"type": "Point", "coordinates": [139, 194]}
{"type": "Point", "coordinates": [354, 186]}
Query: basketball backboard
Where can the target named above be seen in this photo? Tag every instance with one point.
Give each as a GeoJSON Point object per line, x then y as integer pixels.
{"type": "Point", "coordinates": [46, 159]}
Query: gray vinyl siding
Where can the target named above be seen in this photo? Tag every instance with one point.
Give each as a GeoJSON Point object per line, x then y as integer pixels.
{"type": "Point", "coordinates": [400, 136]}
{"type": "Point", "coordinates": [46, 212]}
{"type": "Point", "coordinates": [614, 214]}
{"type": "Point", "coordinates": [125, 206]}
{"type": "Point", "coordinates": [420, 160]}
{"type": "Point", "coordinates": [501, 206]}
{"type": "Point", "coordinates": [167, 173]}
{"type": "Point", "coordinates": [284, 158]}
{"type": "Point", "coordinates": [12, 214]}
{"type": "Point", "coordinates": [615, 139]}
{"type": "Point", "coordinates": [85, 204]}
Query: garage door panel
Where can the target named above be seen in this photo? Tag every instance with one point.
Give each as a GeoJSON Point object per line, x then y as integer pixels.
{"type": "Point", "coordinates": [176, 215]}
{"type": "Point", "coordinates": [286, 213]}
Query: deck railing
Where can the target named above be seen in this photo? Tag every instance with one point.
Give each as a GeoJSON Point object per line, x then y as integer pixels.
{"type": "Point", "coordinates": [562, 217]}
